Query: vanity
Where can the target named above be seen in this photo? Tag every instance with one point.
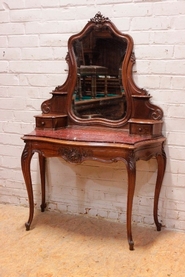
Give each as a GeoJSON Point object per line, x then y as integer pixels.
{"type": "Point", "coordinates": [98, 114]}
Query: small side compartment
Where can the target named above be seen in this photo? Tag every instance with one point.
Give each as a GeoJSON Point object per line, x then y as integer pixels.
{"type": "Point", "coordinates": [49, 121]}
{"type": "Point", "coordinates": [145, 127]}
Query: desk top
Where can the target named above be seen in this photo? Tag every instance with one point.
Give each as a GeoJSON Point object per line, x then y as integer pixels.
{"type": "Point", "coordinates": [92, 134]}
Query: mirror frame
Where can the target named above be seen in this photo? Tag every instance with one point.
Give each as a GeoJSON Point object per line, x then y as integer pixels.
{"type": "Point", "coordinates": [98, 22]}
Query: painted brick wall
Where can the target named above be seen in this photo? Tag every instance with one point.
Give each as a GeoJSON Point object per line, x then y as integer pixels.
{"type": "Point", "coordinates": [33, 40]}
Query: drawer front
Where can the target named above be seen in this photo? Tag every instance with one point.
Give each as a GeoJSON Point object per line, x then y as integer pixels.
{"type": "Point", "coordinates": [140, 129]}
{"type": "Point", "coordinates": [51, 123]}
{"type": "Point", "coordinates": [43, 122]}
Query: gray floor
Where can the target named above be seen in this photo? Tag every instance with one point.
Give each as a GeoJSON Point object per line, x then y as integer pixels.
{"type": "Point", "coordinates": [72, 246]}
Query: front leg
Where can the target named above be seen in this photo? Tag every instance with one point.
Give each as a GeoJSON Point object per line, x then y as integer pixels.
{"type": "Point", "coordinates": [161, 161]}
{"type": "Point", "coordinates": [131, 169]}
{"type": "Point", "coordinates": [25, 163]}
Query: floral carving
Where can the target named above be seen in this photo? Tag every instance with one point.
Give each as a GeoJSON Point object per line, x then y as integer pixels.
{"type": "Point", "coordinates": [99, 19]}
{"type": "Point", "coordinates": [75, 155]}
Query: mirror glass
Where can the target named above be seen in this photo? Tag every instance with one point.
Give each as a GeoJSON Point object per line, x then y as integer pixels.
{"type": "Point", "coordinates": [99, 92]}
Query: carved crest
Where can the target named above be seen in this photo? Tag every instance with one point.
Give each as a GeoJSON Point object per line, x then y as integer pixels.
{"type": "Point", "coordinates": [99, 19]}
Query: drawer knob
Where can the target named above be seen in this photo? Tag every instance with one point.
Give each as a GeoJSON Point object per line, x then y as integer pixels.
{"type": "Point", "coordinates": [42, 123]}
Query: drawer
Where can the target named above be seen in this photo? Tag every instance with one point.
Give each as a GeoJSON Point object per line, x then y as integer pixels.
{"type": "Point", "coordinates": [51, 122]}
{"type": "Point", "coordinates": [141, 129]}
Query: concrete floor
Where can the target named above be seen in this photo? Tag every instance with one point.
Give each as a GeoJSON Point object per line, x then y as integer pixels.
{"type": "Point", "coordinates": [61, 245]}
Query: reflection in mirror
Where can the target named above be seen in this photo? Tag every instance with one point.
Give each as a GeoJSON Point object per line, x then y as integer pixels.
{"type": "Point", "coordinates": [99, 92]}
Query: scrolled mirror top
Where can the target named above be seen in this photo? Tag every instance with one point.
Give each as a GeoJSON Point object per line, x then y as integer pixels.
{"type": "Point", "coordinates": [99, 67]}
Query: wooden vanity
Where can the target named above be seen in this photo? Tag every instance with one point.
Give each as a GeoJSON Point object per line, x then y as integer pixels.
{"type": "Point", "coordinates": [98, 115]}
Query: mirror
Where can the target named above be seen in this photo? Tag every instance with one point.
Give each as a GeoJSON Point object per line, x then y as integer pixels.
{"type": "Point", "coordinates": [99, 56]}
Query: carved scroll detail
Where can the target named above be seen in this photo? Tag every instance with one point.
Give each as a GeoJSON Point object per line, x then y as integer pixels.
{"type": "Point", "coordinates": [46, 106]}
{"type": "Point", "coordinates": [67, 58]}
{"type": "Point", "coordinates": [99, 19]}
{"type": "Point", "coordinates": [63, 87]}
{"type": "Point", "coordinates": [162, 153]}
{"type": "Point", "coordinates": [133, 87]}
{"type": "Point", "coordinates": [157, 112]}
{"type": "Point", "coordinates": [133, 58]}
{"type": "Point", "coordinates": [75, 155]}
{"type": "Point", "coordinates": [131, 160]}
{"type": "Point", "coordinates": [25, 152]}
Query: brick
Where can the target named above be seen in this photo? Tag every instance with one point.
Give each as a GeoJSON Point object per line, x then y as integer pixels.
{"type": "Point", "coordinates": [154, 52]}
{"type": "Point", "coordinates": [6, 139]}
{"type": "Point", "coordinates": [179, 52]}
{"type": "Point", "coordinates": [33, 4]}
{"type": "Point", "coordinates": [178, 82]}
{"type": "Point", "coordinates": [4, 15]}
{"type": "Point", "coordinates": [4, 66]}
{"type": "Point", "coordinates": [9, 79]}
{"type": "Point", "coordinates": [3, 41]}
{"type": "Point", "coordinates": [178, 22]}
{"type": "Point", "coordinates": [172, 37]}
{"type": "Point", "coordinates": [12, 29]}
{"type": "Point", "coordinates": [9, 199]}
{"type": "Point", "coordinates": [11, 4]}
{"type": "Point", "coordinates": [54, 40]}
{"type": "Point", "coordinates": [176, 110]}
{"type": "Point", "coordinates": [175, 124]}
{"type": "Point", "coordinates": [147, 23]}
{"type": "Point", "coordinates": [129, 10]}
{"type": "Point", "coordinates": [23, 41]}
{"type": "Point", "coordinates": [175, 193]}
{"type": "Point", "coordinates": [49, 4]}
{"type": "Point", "coordinates": [12, 103]}
{"type": "Point", "coordinates": [25, 15]}
{"type": "Point", "coordinates": [42, 27]}
{"type": "Point", "coordinates": [169, 8]}
{"type": "Point", "coordinates": [36, 66]}
{"type": "Point", "coordinates": [37, 53]}
{"type": "Point", "coordinates": [41, 81]}
{"type": "Point", "coordinates": [10, 54]}
{"type": "Point", "coordinates": [55, 14]}
{"type": "Point", "coordinates": [177, 166]}
{"type": "Point", "coordinates": [64, 3]}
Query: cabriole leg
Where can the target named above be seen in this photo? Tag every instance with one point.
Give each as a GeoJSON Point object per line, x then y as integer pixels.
{"type": "Point", "coordinates": [161, 161]}
{"type": "Point", "coordinates": [25, 163]}
{"type": "Point", "coordinates": [131, 169]}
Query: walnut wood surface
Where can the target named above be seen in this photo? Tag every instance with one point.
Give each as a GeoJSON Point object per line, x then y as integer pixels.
{"type": "Point", "coordinates": [61, 133]}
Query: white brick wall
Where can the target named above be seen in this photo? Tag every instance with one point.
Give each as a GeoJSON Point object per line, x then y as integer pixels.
{"type": "Point", "coordinates": [33, 46]}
